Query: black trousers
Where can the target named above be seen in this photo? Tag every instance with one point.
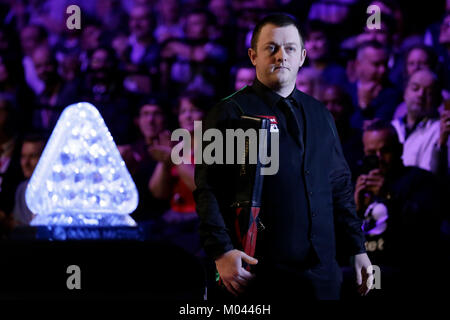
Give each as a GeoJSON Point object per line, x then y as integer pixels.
{"type": "Point", "coordinates": [282, 283]}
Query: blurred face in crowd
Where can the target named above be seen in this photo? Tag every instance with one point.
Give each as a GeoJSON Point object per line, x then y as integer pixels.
{"type": "Point", "coordinates": [220, 9]}
{"type": "Point", "coordinates": [244, 77]}
{"type": "Point", "coordinates": [31, 151]}
{"type": "Point", "coordinates": [140, 22]}
{"type": "Point", "coordinates": [316, 45]}
{"type": "Point", "coordinates": [333, 100]}
{"type": "Point", "coordinates": [371, 64]}
{"type": "Point", "coordinates": [196, 26]}
{"type": "Point", "coordinates": [381, 144]}
{"type": "Point", "coordinates": [188, 113]}
{"type": "Point", "coordinates": [417, 59]}
{"type": "Point", "coordinates": [44, 64]}
{"type": "Point", "coordinates": [307, 80]}
{"type": "Point", "coordinates": [29, 39]}
{"type": "Point", "coordinates": [151, 121]}
{"type": "Point", "coordinates": [90, 37]}
{"type": "Point", "coordinates": [278, 56]}
{"type": "Point", "coordinates": [100, 63]}
{"type": "Point", "coordinates": [421, 94]}
{"type": "Point", "coordinates": [169, 9]}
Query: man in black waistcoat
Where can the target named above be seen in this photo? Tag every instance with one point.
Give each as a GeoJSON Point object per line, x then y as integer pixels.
{"type": "Point", "coordinates": [309, 197]}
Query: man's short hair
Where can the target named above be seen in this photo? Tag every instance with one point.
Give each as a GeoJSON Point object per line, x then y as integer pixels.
{"type": "Point", "coordinates": [277, 19]}
{"type": "Point", "coordinates": [370, 44]}
{"type": "Point", "coordinates": [383, 125]}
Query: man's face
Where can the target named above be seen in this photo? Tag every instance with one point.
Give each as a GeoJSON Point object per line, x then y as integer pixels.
{"type": "Point", "coordinates": [100, 64]}
{"type": "Point", "coordinates": [140, 22]}
{"type": "Point", "coordinates": [45, 69]}
{"type": "Point", "coordinates": [187, 114]}
{"type": "Point", "coordinates": [417, 60]}
{"type": "Point", "coordinates": [196, 26]}
{"type": "Point", "coordinates": [29, 39]}
{"type": "Point", "coordinates": [244, 77]}
{"type": "Point", "coordinates": [151, 121]}
{"type": "Point", "coordinates": [278, 56]}
{"type": "Point", "coordinates": [90, 37]}
{"type": "Point", "coordinates": [420, 94]}
{"type": "Point", "coordinates": [333, 102]}
{"type": "Point", "coordinates": [316, 45]}
{"type": "Point", "coordinates": [31, 152]}
{"type": "Point", "coordinates": [378, 143]}
{"type": "Point", "coordinates": [371, 65]}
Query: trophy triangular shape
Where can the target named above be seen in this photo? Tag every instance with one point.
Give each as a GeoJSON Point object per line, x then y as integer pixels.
{"type": "Point", "coordinates": [81, 179]}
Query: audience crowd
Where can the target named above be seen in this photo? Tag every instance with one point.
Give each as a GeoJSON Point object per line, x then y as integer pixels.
{"type": "Point", "coordinates": [152, 66]}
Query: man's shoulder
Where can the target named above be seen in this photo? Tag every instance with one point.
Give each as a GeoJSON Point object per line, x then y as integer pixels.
{"type": "Point", "coordinates": [235, 104]}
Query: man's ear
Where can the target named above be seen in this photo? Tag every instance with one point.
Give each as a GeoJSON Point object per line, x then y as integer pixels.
{"type": "Point", "coordinates": [302, 57]}
{"type": "Point", "coordinates": [252, 56]}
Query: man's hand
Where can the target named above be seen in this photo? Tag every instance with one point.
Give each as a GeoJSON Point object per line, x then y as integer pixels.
{"type": "Point", "coordinates": [161, 148]}
{"type": "Point", "coordinates": [374, 182]}
{"type": "Point", "coordinates": [367, 186]}
{"type": "Point", "coordinates": [234, 276]}
{"type": "Point", "coordinates": [363, 277]}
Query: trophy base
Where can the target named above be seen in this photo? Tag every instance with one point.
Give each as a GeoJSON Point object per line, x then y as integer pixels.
{"type": "Point", "coordinates": [79, 219]}
{"type": "Point", "coordinates": [85, 227]}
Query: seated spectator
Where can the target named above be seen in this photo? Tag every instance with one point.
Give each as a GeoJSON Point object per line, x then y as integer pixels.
{"type": "Point", "coordinates": [402, 208]}
{"type": "Point", "coordinates": [152, 123]}
{"type": "Point", "coordinates": [102, 86]}
{"type": "Point", "coordinates": [339, 103]}
{"type": "Point", "coordinates": [319, 55]}
{"type": "Point", "coordinates": [56, 94]}
{"type": "Point", "coordinates": [193, 62]}
{"type": "Point", "coordinates": [142, 51]}
{"type": "Point", "coordinates": [32, 37]}
{"type": "Point", "coordinates": [419, 130]}
{"type": "Point", "coordinates": [32, 148]}
{"type": "Point", "coordinates": [372, 94]}
{"type": "Point", "coordinates": [416, 58]}
{"type": "Point", "coordinates": [90, 39]}
{"type": "Point", "coordinates": [168, 25]}
{"type": "Point", "coordinates": [176, 182]}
